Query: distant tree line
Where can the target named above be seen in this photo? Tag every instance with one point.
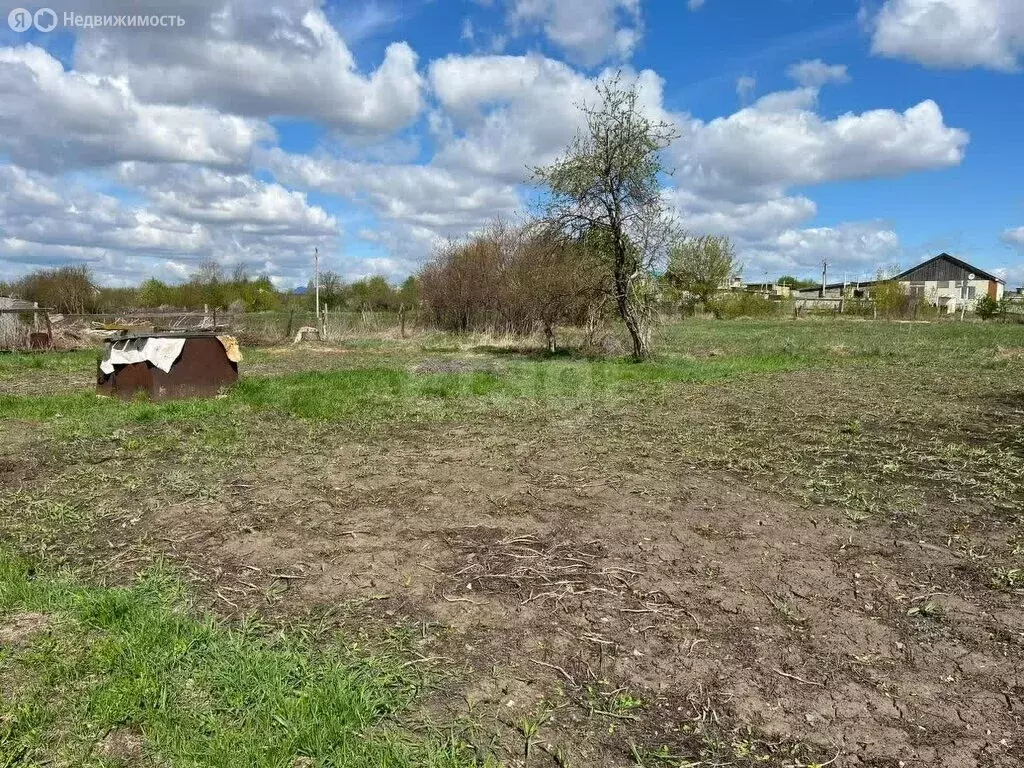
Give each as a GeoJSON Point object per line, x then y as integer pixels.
{"type": "Point", "coordinates": [73, 290]}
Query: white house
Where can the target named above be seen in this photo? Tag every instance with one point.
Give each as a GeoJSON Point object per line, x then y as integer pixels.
{"type": "Point", "coordinates": [948, 283]}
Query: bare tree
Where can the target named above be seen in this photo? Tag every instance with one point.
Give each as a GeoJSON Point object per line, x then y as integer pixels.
{"type": "Point", "coordinates": [557, 280]}
{"type": "Point", "coordinates": [605, 191]}
{"type": "Point", "coordinates": [506, 279]}
{"type": "Point", "coordinates": [702, 266]}
{"type": "Point", "coordinates": [209, 272]}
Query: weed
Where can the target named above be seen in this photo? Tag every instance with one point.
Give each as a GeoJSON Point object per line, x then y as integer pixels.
{"type": "Point", "coordinates": [1008, 578]}
{"type": "Point", "coordinates": [928, 609]}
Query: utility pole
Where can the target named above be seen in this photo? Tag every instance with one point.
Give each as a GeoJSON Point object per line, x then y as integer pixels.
{"type": "Point", "coordinates": [965, 292]}
{"type": "Point", "coordinates": [824, 276]}
{"type": "Point", "coordinates": [316, 282]}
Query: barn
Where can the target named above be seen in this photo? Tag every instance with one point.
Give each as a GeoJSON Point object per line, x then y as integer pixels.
{"type": "Point", "coordinates": [948, 283]}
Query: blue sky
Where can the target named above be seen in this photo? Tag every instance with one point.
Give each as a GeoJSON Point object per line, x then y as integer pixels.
{"type": "Point", "coordinates": [871, 134]}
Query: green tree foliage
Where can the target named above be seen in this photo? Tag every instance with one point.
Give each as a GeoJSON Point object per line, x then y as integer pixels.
{"type": "Point", "coordinates": [795, 282]}
{"type": "Point", "coordinates": [154, 293]}
{"type": "Point", "coordinates": [409, 292]}
{"type": "Point", "coordinates": [71, 290]}
{"type": "Point", "coordinates": [987, 307]}
{"type": "Point", "coordinates": [743, 304]}
{"type": "Point", "coordinates": [891, 299]}
{"type": "Point", "coordinates": [606, 190]}
{"type": "Point", "coordinates": [702, 266]}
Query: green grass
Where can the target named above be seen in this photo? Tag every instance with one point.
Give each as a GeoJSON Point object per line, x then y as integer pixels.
{"type": "Point", "coordinates": [15, 364]}
{"type": "Point", "coordinates": [191, 690]}
{"type": "Point", "coordinates": [387, 392]}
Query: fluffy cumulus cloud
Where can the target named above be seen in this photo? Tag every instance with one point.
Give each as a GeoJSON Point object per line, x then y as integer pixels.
{"type": "Point", "coordinates": [749, 222]}
{"type": "Point", "coordinates": [853, 250]}
{"type": "Point", "coordinates": [733, 173]}
{"type": "Point", "coordinates": [951, 33]}
{"type": "Point", "coordinates": [588, 31]}
{"type": "Point", "coordinates": [56, 119]}
{"type": "Point", "coordinates": [174, 126]}
{"type": "Point", "coordinates": [781, 141]}
{"type": "Point", "coordinates": [261, 60]}
{"type": "Point", "coordinates": [40, 209]}
{"type": "Point", "coordinates": [417, 205]}
{"type": "Point", "coordinates": [504, 115]}
{"type": "Point", "coordinates": [190, 214]}
{"type": "Point", "coordinates": [241, 201]}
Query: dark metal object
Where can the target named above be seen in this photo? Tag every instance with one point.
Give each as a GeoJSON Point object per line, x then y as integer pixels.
{"type": "Point", "coordinates": [202, 370]}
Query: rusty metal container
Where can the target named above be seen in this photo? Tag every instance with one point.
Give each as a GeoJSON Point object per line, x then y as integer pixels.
{"type": "Point", "coordinates": [202, 369]}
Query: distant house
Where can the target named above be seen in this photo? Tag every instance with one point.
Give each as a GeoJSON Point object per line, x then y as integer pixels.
{"type": "Point", "coordinates": [732, 283]}
{"type": "Point", "coordinates": [943, 281]}
{"type": "Point", "coordinates": [949, 283]}
{"type": "Point", "coordinates": [768, 289]}
{"type": "Point", "coordinates": [847, 289]}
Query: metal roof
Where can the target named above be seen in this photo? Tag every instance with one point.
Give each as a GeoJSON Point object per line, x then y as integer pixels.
{"type": "Point", "coordinates": [981, 273]}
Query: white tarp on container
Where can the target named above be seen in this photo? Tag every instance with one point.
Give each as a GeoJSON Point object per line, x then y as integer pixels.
{"type": "Point", "coordinates": [159, 351]}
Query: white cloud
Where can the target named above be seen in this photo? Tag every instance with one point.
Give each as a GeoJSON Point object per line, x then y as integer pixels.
{"type": "Point", "coordinates": [855, 249]}
{"type": "Point", "coordinates": [694, 5]}
{"type": "Point", "coordinates": [246, 204]}
{"type": "Point", "coordinates": [55, 119]}
{"type": "Point", "coordinates": [190, 214]}
{"type": "Point", "coordinates": [745, 87]}
{"type": "Point", "coordinates": [504, 115]}
{"type": "Point", "coordinates": [261, 60]}
{"type": "Point", "coordinates": [1014, 237]}
{"type": "Point", "coordinates": [1013, 276]}
{"type": "Point", "coordinates": [589, 31]}
{"type": "Point", "coordinates": [815, 73]}
{"type": "Point", "coordinates": [493, 118]}
{"type": "Point", "coordinates": [780, 141]}
{"type": "Point", "coordinates": [39, 209]}
{"type": "Point", "coordinates": [417, 206]}
{"type": "Point", "coordinates": [750, 222]}
{"type": "Point", "coordinates": [952, 33]}
{"type": "Point", "coordinates": [733, 176]}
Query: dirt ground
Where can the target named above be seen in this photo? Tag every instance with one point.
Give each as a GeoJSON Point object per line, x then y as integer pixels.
{"type": "Point", "coordinates": [618, 597]}
{"type": "Point", "coordinates": [562, 588]}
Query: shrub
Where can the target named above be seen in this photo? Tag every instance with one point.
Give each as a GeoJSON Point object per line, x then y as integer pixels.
{"type": "Point", "coordinates": [506, 279]}
{"type": "Point", "coordinates": [743, 305]}
{"type": "Point", "coordinates": [987, 308]}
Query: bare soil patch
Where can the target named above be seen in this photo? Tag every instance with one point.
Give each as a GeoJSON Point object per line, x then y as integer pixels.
{"type": "Point", "coordinates": [20, 628]}
{"type": "Point", "coordinates": [124, 746]}
{"type": "Point", "coordinates": [560, 587]}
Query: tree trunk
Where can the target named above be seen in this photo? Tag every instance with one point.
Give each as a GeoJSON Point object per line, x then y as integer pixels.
{"type": "Point", "coordinates": [639, 332]}
{"type": "Point", "coordinates": [549, 334]}
{"type": "Point", "coordinates": [633, 316]}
